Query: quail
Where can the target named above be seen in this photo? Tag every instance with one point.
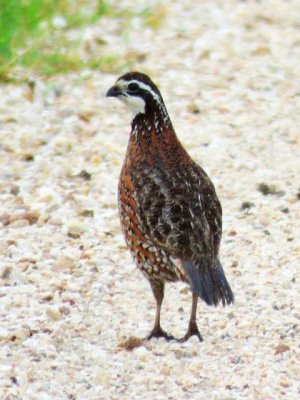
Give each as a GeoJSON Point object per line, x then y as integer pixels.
{"type": "Point", "coordinates": [170, 214]}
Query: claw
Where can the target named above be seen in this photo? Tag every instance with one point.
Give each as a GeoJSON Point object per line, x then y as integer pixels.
{"type": "Point", "coordinates": [158, 333]}
{"type": "Point", "coordinates": [192, 331]}
{"type": "Point", "coordinates": [188, 335]}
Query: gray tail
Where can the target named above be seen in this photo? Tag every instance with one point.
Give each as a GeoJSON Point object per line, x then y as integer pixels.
{"type": "Point", "coordinates": [209, 283]}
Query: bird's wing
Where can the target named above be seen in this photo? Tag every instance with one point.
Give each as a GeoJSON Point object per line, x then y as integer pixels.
{"type": "Point", "coordinates": [181, 212]}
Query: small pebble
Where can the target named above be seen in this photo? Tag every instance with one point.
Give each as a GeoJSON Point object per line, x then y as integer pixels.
{"type": "Point", "coordinates": [53, 313]}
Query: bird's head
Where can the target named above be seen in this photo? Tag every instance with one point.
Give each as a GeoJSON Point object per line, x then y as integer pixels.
{"type": "Point", "coordinates": [138, 92]}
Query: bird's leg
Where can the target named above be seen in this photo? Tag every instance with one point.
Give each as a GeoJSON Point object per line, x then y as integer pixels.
{"type": "Point", "coordinates": [157, 287]}
{"type": "Point", "coordinates": [193, 328]}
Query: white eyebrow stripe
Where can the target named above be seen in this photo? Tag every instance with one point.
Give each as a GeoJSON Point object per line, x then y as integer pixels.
{"type": "Point", "coordinates": [143, 86]}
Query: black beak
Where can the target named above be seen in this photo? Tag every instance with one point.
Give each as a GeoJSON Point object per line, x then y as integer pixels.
{"type": "Point", "coordinates": [114, 91]}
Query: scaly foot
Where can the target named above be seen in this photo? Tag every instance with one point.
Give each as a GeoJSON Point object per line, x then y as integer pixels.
{"type": "Point", "coordinates": [192, 331]}
{"type": "Point", "coordinates": [157, 332]}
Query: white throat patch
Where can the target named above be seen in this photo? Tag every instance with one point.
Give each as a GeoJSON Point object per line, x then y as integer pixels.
{"type": "Point", "coordinates": [135, 104]}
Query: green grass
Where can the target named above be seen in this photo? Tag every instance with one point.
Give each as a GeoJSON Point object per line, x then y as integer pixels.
{"type": "Point", "coordinates": [29, 38]}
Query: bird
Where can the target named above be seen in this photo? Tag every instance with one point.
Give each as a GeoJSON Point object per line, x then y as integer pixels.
{"type": "Point", "coordinates": [170, 214]}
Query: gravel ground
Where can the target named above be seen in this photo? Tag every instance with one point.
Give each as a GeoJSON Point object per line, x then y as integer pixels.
{"type": "Point", "coordinates": [70, 295]}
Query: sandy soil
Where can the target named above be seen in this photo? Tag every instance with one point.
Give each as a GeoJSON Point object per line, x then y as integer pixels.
{"type": "Point", "coordinates": [70, 295]}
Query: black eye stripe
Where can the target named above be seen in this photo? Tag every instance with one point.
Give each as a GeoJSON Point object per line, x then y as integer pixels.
{"type": "Point", "coordinates": [133, 87]}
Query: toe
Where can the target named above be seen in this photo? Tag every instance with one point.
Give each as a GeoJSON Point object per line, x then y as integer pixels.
{"type": "Point", "coordinates": [158, 333]}
{"type": "Point", "coordinates": [189, 334]}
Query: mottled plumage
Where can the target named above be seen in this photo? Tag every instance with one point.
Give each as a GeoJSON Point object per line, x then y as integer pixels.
{"type": "Point", "coordinates": [170, 214]}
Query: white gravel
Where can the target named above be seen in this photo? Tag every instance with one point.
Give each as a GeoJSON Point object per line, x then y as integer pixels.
{"type": "Point", "coordinates": [70, 295]}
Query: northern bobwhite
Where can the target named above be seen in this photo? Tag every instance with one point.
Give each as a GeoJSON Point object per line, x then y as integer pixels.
{"type": "Point", "coordinates": [170, 214]}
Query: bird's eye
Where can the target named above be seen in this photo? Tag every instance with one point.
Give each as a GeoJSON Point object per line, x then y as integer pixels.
{"type": "Point", "coordinates": [133, 87]}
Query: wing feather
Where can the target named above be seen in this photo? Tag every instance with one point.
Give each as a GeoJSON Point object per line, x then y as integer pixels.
{"type": "Point", "coordinates": [180, 212]}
